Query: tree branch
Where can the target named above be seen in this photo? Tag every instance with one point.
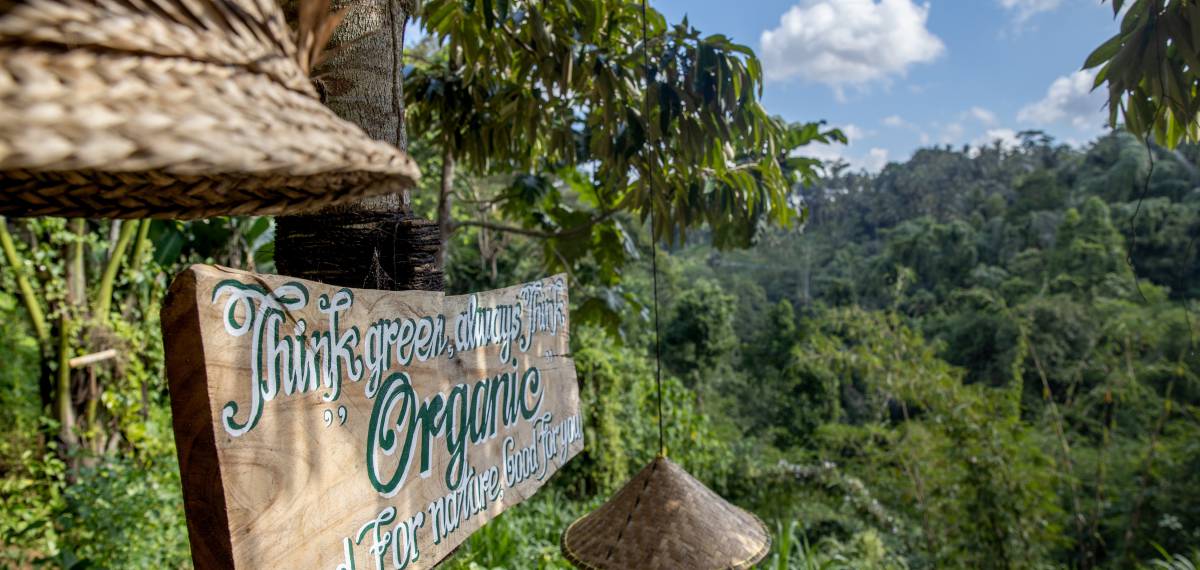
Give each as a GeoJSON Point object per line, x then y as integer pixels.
{"type": "Point", "coordinates": [513, 36]}
{"type": "Point", "coordinates": [116, 256]}
{"type": "Point", "coordinates": [137, 260]}
{"type": "Point", "coordinates": [64, 410]}
{"type": "Point", "coordinates": [140, 246]}
{"type": "Point", "coordinates": [36, 316]}
{"type": "Point", "coordinates": [537, 233]}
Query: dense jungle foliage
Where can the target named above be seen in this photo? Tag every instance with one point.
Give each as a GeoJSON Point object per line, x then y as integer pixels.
{"type": "Point", "coordinates": [979, 358]}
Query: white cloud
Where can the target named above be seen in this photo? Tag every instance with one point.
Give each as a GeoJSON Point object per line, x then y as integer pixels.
{"type": "Point", "coordinates": [983, 115]}
{"type": "Point", "coordinates": [1023, 10]}
{"type": "Point", "coordinates": [898, 122]}
{"type": "Point", "coordinates": [856, 133]}
{"type": "Point", "coordinates": [849, 42]}
{"type": "Point", "coordinates": [951, 133]}
{"type": "Point", "coordinates": [874, 159]}
{"type": "Point", "coordinates": [823, 151]}
{"type": "Point", "coordinates": [1007, 137]}
{"type": "Point", "coordinates": [1069, 100]}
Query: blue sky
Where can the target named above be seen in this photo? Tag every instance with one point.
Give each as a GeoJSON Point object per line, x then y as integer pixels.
{"type": "Point", "coordinates": [901, 74]}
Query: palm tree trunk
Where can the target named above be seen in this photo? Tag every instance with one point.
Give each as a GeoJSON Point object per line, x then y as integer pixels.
{"type": "Point", "coordinates": [375, 243]}
{"type": "Point", "coordinates": [445, 205]}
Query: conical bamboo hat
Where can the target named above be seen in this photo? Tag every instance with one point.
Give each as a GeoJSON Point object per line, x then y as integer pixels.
{"type": "Point", "coordinates": [172, 108]}
{"type": "Point", "coordinates": [665, 518]}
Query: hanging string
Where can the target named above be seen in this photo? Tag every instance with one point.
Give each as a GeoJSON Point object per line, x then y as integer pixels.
{"type": "Point", "coordinates": [1131, 252]}
{"type": "Point", "coordinates": [1129, 258]}
{"type": "Point", "coordinates": [649, 181]}
{"type": "Point", "coordinates": [662, 446]}
{"type": "Point", "coordinates": [1137, 285]}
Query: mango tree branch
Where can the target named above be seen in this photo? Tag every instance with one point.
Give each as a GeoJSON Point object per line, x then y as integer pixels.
{"type": "Point", "coordinates": [517, 40]}
{"type": "Point", "coordinates": [537, 233]}
{"type": "Point", "coordinates": [116, 256]}
{"type": "Point", "coordinates": [36, 316]}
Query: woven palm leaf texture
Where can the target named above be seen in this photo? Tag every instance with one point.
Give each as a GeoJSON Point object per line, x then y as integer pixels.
{"type": "Point", "coordinates": [172, 109]}
{"type": "Point", "coordinates": [664, 518]}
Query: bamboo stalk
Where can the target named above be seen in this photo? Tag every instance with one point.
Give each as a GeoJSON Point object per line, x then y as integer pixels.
{"type": "Point", "coordinates": [64, 412]}
{"type": "Point", "coordinates": [36, 316]}
{"type": "Point", "coordinates": [140, 246]}
{"type": "Point", "coordinates": [116, 256]}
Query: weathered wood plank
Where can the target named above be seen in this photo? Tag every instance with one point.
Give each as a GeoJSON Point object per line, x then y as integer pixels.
{"type": "Point", "coordinates": [327, 427]}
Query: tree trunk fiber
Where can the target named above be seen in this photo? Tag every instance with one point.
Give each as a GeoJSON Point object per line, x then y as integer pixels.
{"type": "Point", "coordinates": [445, 203]}
{"type": "Point", "coordinates": [376, 243]}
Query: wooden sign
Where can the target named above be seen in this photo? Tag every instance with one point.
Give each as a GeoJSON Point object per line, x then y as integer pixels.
{"type": "Point", "coordinates": [348, 429]}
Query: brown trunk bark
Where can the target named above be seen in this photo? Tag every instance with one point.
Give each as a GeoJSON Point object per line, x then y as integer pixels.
{"type": "Point", "coordinates": [376, 243]}
{"type": "Point", "coordinates": [445, 203]}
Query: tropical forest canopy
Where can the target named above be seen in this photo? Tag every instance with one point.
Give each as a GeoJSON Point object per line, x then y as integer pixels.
{"type": "Point", "coordinates": [981, 357]}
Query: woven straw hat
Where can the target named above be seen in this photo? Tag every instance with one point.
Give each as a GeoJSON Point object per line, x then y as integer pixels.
{"type": "Point", "coordinates": [172, 108]}
{"type": "Point", "coordinates": [665, 518]}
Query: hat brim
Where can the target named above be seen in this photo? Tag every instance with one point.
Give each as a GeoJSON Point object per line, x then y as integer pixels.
{"type": "Point", "coordinates": [103, 133]}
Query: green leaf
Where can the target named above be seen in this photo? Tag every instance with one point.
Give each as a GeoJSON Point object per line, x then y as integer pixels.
{"type": "Point", "coordinates": [1105, 52]}
{"type": "Point", "coordinates": [598, 312]}
{"type": "Point", "coordinates": [489, 17]}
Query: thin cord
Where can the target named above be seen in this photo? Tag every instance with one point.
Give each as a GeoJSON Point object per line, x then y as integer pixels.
{"type": "Point", "coordinates": [1187, 311]}
{"type": "Point", "coordinates": [1129, 256]}
{"type": "Point", "coordinates": [662, 446]}
{"type": "Point", "coordinates": [1137, 285]}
